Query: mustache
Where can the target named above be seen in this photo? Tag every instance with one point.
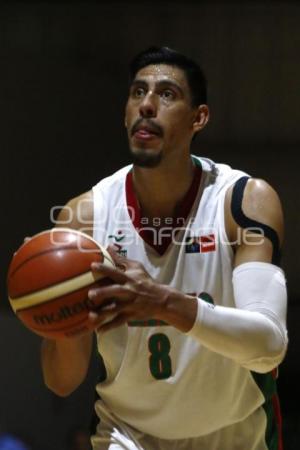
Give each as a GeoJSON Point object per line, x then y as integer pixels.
{"type": "Point", "coordinates": [153, 126]}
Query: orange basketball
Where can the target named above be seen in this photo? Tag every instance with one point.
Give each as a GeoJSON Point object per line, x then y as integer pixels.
{"type": "Point", "coordinates": [49, 278]}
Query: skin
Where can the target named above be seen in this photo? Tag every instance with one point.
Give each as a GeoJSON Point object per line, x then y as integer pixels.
{"type": "Point", "coordinates": [163, 97]}
{"type": "Point", "coordinates": [159, 98]}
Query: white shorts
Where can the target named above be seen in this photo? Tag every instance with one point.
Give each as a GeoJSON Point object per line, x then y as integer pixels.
{"type": "Point", "coordinates": [113, 434]}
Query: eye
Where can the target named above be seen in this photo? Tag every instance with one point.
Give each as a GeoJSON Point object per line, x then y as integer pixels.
{"type": "Point", "coordinates": [167, 94]}
{"type": "Point", "coordinates": [138, 92]}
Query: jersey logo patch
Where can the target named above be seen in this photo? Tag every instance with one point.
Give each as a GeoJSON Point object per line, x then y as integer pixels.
{"type": "Point", "coordinates": [117, 239]}
{"type": "Point", "coordinates": [200, 244]}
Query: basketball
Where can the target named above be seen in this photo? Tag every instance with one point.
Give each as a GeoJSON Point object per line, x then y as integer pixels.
{"type": "Point", "coordinates": [49, 278]}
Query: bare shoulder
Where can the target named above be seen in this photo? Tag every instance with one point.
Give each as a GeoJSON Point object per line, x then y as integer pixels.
{"type": "Point", "coordinates": [78, 213]}
{"type": "Point", "coordinates": [261, 203]}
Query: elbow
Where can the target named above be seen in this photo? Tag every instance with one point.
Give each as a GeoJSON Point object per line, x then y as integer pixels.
{"type": "Point", "coordinates": [59, 387]}
{"type": "Point", "coordinates": [60, 390]}
{"type": "Point", "coordinates": [263, 365]}
{"type": "Point", "coordinates": [269, 358]}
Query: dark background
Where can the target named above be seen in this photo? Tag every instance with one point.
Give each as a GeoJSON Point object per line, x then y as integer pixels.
{"type": "Point", "coordinates": [63, 87]}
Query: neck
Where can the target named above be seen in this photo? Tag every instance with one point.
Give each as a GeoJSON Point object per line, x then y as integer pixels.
{"type": "Point", "coordinates": [160, 190]}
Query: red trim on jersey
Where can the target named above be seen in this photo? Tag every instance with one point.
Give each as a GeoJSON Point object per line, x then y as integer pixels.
{"type": "Point", "coordinates": [182, 213]}
{"type": "Point", "coordinates": [277, 412]}
{"type": "Point", "coordinates": [278, 418]}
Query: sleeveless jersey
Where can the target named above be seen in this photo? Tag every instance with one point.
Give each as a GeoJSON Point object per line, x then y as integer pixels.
{"type": "Point", "coordinates": [158, 379]}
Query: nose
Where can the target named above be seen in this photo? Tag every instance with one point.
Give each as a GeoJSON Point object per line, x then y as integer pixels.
{"type": "Point", "coordinates": [148, 107]}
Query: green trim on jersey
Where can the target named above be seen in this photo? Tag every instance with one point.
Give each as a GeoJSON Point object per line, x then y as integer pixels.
{"type": "Point", "coordinates": [196, 161]}
{"type": "Point", "coordinates": [267, 384]}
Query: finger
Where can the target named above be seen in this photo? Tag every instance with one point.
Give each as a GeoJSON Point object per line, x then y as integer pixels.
{"type": "Point", "coordinates": [115, 274]}
{"type": "Point", "coordinates": [119, 320]}
{"type": "Point", "coordinates": [98, 319]}
{"type": "Point", "coordinates": [108, 306]}
{"type": "Point", "coordinates": [119, 260]}
{"type": "Point", "coordinates": [109, 292]}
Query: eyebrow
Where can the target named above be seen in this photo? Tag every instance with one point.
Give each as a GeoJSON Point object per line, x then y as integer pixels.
{"type": "Point", "coordinates": [160, 83]}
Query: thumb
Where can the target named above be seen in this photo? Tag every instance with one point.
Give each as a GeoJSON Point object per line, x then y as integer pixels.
{"type": "Point", "coordinates": [119, 260]}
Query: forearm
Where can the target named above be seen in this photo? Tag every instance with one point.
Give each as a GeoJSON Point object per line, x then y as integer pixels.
{"type": "Point", "coordinates": [247, 337]}
{"type": "Point", "coordinates": [253, 334]}
{"type": "Point", "coordinates": [65, 363]}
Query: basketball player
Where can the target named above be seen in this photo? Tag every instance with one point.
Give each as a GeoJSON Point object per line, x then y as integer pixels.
{"type": "Point", "coordinates": [193, 328]}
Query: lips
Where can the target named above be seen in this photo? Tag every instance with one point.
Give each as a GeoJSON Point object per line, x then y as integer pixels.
{"type": "Point", "coordinates": [145, 132]}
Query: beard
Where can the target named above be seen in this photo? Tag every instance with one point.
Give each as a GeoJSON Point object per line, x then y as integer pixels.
{"type": "Point", "coordinates": [146, 158]}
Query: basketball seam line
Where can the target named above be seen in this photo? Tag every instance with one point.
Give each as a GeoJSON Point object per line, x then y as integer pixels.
{"type": "Point", "coordinates": [50, 250]}
{"type": "Point", "coordinates": [57, 290]}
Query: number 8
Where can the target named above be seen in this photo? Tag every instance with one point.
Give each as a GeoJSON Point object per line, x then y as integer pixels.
{"type": "Point", "coordinates": [159, 361]}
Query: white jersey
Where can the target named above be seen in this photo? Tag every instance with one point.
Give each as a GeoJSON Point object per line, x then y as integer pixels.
{"type": "Point", "coordinates": [159, 380]}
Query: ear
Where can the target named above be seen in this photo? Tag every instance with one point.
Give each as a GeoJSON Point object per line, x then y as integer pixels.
{"type": "Point", "coordinates": [201, 118]}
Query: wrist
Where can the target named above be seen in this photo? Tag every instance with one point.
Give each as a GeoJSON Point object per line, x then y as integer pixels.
{"type": "Point", "coordinates": [180, 310]}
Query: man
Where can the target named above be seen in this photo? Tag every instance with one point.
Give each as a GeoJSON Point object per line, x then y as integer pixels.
{"type": "Point", "coordinates": [190, 336]}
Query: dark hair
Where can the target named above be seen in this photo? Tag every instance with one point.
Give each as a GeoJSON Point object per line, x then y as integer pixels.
{"type": "Point", "coordinates": [165, 55]}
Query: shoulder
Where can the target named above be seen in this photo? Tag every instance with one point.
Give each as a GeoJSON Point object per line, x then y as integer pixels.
{"type": "Point", "coordinates": [260, 203]}
{"type": "Point", "coordinates": [78, 213]}
{"type": "Point", "coordinates": [112, 181]}
{"type": "Point", "coordinates": [261, 200]}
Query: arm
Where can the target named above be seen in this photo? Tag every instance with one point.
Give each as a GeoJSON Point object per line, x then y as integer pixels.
{"type": "Point", "coordinates": [65, 362]}
{"type": "Point", "coordinates": [253, 334]}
